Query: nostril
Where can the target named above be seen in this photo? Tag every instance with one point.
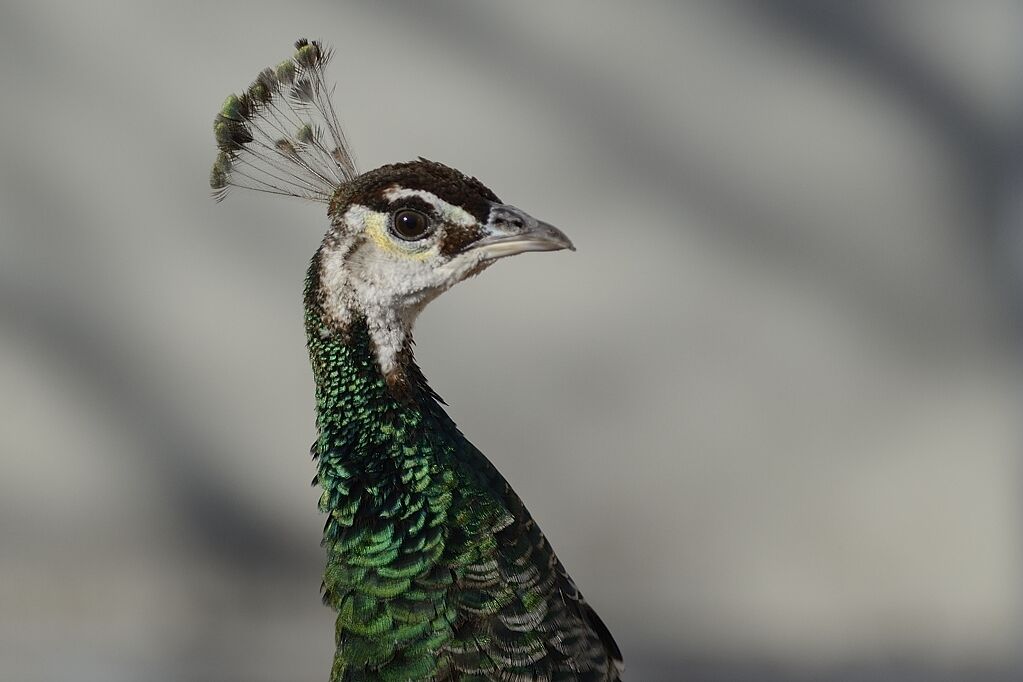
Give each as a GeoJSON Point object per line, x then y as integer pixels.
{"type": "Point", "coordinates": [509, 221]}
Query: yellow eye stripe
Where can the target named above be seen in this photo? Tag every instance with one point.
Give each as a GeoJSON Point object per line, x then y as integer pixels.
{"type": "Point", "coordinates": [376, 229]}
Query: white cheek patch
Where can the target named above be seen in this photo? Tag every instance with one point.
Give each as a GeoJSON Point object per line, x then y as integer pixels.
{"type": "Point", "coordinates": [347, 273]}
{"type": "Point", "coordinates": [334, 278]}
{"type": "Point", "coordinates": [449, 213]}
{"type": "Point", "coordinates": [367, 272]}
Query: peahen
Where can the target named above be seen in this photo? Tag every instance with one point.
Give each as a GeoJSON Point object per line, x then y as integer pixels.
{"type": "Point", "coordinates": [434, 566]}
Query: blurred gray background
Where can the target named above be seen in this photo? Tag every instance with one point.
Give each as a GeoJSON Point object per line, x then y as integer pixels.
{"type": "Point", "coordinates": [768, 414]}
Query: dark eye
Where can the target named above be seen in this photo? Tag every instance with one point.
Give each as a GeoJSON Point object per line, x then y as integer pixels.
{"type": "Point", "coordinates": [410, 225]}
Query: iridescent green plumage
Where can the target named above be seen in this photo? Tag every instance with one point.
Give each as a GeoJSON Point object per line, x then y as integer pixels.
{"type": "Point", "coordinates": [434, 566]}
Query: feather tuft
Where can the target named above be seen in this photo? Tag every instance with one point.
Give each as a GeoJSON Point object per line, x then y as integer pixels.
{"type": "Point", "coordinates": [274, 136]}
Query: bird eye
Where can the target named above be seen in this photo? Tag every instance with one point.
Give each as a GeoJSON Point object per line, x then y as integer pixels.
{"type": "Point", "coordinates": [410, 225]}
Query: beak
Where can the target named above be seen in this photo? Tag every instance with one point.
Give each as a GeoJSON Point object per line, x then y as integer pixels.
{"type": "Point", "coordinates": [510, 231]}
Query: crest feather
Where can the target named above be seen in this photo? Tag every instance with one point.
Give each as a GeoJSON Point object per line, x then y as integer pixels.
{"type": "Point", "coordinates": [282, 135]}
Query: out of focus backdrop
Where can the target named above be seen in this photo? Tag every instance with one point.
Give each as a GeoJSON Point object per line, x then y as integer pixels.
{"type": "Point", "coordinates": [768, 414]}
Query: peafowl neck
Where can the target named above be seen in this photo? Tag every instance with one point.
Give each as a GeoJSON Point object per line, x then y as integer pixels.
{"type": "Point", "coordinates": [384, 463]}
{"type": "Point", "coordinates": [385, 455]}
{"type": "Point", "coordinates": [368, 421]}
{"type": "Point", "coordinates": [376, 432]}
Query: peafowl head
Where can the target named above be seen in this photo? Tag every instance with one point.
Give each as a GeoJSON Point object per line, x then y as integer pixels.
{"type": "Point", "coordinates": [399, 236]}
{"type": "Point", "coordinates": [404, 233]}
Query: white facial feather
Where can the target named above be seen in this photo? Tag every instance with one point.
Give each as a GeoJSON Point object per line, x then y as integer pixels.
{"type": "Point", "coordinates": [389, 281]}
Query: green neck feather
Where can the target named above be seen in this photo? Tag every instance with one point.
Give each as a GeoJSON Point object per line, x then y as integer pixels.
{"type": "Point", "coordinates": [384, 467]}
{"type": "Point", "coordinates": [434, 567]}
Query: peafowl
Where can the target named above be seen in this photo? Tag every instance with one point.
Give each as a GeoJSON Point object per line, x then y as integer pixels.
{"type": "Point", "coordinates": [435, 568]}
